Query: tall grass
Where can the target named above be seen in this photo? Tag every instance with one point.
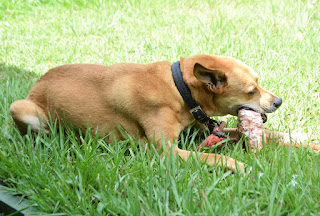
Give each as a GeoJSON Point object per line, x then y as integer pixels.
{"type": "Point", "coordinates": [64, 173]}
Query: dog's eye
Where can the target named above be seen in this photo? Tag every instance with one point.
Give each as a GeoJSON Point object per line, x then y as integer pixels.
{"type": "Point", "coordinates": [252, 92]}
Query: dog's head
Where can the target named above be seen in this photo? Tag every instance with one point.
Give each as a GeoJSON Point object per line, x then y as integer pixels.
{"type": "Point", "coordinates": [222, 85]}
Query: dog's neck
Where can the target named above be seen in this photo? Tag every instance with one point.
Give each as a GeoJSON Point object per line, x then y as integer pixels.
{"type": "Point", "coordinates": [185, 93]}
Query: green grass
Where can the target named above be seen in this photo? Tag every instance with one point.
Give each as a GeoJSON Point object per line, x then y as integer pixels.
{"type": "Point", "coordinates": [83, 175]}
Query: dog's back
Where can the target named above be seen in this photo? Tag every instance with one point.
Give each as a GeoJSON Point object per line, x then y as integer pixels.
{"type": "Point", "coordinates": [103, 97]}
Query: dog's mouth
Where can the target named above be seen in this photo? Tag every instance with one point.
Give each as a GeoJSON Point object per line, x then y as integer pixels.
{"type": "Point", "coordinates": [263, 115]}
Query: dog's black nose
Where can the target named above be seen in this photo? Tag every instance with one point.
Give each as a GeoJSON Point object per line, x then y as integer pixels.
{"type": "Point", "coordinates": [277, 102]}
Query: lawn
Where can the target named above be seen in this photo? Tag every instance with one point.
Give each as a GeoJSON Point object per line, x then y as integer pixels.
{"type": "Point", "coordinates": [67, 174]}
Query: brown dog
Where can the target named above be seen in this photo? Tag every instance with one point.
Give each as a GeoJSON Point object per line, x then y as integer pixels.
{"type": "Point", "coordinates": [143, 98]}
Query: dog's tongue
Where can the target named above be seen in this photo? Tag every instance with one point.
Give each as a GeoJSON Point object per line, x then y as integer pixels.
{"type": "Point", "coordinates": [251, 126]}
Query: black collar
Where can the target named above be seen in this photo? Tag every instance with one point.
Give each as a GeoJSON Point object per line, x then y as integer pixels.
{"type": "Point", "coordinates": [185, 92]}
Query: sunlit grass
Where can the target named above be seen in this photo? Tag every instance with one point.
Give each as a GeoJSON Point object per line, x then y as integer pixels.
{"type": "Point", "coordinates": [83, 175]}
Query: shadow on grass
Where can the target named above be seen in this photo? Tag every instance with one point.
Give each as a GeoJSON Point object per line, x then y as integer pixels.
{"type": "Point", "coordinates": [15, 84]}
{"type": "Point", "coordinates": [14, 72]}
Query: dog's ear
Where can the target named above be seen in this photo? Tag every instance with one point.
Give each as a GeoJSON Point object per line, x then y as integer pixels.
{"type": "Point", "coordinates": [215, 79]}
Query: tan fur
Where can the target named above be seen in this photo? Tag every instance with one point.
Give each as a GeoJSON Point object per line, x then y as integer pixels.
{"type": "Point", "coordinates": [143, 98]}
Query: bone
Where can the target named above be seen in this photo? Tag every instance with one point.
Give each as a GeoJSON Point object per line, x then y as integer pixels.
{"type": "Point", "coordinates": [251, 126]}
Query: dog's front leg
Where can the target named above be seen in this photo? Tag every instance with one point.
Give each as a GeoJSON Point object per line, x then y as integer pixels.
{"type": "Point", "coordinates": [273, 135]}
{"type": "Point", "coordinates": [286, 139]}
{"type": "Point", "coordinates": [213, 159]}
{"type": "Point", "coordinates": [295, 139]}
{"type": "Point", "coordinates": [169, 130]}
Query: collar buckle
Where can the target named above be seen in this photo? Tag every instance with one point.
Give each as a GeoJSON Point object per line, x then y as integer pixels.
{"type": "Point", "coordinates": [199, 115]}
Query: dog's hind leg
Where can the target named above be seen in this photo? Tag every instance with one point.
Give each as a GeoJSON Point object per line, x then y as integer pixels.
{"type": "Point", "coordinates": [26, 113]}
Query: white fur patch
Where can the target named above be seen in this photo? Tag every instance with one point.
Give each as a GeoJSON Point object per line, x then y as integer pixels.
{"type": "Point", "coordinates": [33, 121]}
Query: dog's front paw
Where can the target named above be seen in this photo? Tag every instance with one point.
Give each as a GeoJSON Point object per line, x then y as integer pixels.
{"type": "Point", "coordinates": [297, 137]}
{"type": "Point", "coordinates": [299, 140]}
{"type": "Point", "coordinates": [315, 147]}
